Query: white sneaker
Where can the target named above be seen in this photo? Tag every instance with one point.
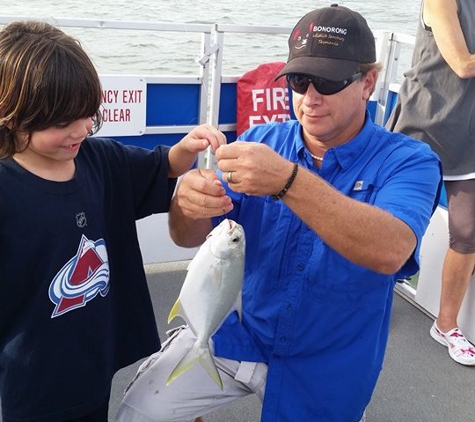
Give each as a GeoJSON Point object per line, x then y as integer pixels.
{"type": "Point", "coordinates": [460, 349]}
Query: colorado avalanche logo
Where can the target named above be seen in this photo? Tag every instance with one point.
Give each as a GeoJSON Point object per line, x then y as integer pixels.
{"type": "Point", "coordinates": [82, 278]}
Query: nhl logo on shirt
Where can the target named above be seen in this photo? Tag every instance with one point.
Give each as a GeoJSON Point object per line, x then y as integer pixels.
{"type": "Point", "coordinates": [82, 278]}
{"type": "Point", "coordinates": [81, 220]}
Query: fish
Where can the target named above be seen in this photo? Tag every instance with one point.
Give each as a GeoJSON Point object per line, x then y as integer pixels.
{"type": "Point", "coordinates": [211, 291]}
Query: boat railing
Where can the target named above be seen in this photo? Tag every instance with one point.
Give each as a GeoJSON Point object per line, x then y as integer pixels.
{"type": "Point", "coordinates": [175, 103]}
{"type": "Point", "coordinates": [172, 104]}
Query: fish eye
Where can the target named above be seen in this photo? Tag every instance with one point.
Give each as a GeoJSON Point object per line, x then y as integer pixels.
{"type": "Point", "coordinates": [235, 239]}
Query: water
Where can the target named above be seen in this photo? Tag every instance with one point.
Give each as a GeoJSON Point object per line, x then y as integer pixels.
{"type": "Point", "coordinates": [145, 52]}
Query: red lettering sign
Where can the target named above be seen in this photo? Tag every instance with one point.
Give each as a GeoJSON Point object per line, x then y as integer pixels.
{"type": "Point", "coordinates": [260, 99]}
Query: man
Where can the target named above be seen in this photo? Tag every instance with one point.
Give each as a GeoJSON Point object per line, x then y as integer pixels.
{"type": "Point", "coordinates": [334, 209]}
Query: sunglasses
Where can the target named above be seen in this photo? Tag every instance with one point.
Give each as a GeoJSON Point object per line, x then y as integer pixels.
{"type": "Point", "coordinates": [300, 82]}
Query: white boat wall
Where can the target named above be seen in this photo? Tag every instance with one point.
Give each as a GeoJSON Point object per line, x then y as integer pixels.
{"type": "Point", "coordinates": [149, 109]}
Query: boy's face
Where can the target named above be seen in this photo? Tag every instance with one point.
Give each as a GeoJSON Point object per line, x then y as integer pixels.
{"type": "Point", "coordinates": [58, 143]}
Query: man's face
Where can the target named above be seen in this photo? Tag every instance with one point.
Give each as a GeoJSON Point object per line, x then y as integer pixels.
{"type": "Point", "coordinates": [333, 119]}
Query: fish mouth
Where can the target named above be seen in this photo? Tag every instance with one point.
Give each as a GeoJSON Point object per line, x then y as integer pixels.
{"type": "Point", "coordinates": [235, 232]}
{"type": "Point", "coordinates": [232, 225]}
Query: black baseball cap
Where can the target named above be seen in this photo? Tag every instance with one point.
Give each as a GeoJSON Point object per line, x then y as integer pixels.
{"type": "Point", "coordinates": [330, 42]}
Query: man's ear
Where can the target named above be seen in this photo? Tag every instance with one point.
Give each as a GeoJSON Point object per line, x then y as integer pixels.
{"type": "Point", "coordinates": [369, 81]}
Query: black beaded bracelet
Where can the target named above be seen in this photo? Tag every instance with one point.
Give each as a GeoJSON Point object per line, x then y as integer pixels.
{"type": "Point", "coordinates": [287, 185]}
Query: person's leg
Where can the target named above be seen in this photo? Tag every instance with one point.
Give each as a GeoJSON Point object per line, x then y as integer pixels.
{"type": "Point", "coordinates": [456, 275]}
{"type": "Point", "coordinates": [251, 374]}
{"type": "Point", "coordinates": [193, 393]}
{"type": "Point", "coordinates": [459, 264]}
{"type": "Point", "coordinates": [459, 261]}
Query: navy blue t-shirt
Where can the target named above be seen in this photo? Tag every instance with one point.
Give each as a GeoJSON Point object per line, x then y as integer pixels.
{"type": "Point", "coordinates": [74, 302]}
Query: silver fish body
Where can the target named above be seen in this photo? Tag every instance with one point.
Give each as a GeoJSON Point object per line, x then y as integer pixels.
{"type": "Point", "coordinates": [210, 292]}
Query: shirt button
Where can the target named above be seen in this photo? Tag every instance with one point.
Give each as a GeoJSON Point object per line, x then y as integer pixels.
{"type": "Point", "coordinates": [288, 307]}
{"type": "Point", "coordinates": [283, 339]}
{"type": "Point", "coordinates": [300, 267]}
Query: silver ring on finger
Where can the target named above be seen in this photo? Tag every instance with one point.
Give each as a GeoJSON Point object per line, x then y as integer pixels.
{"type": "Point", "coordinates": [229, 178]}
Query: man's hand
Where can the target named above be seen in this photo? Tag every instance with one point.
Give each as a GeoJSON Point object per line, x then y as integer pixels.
{"type": "Point", "coordinates": [201, 195]}
{"type": "Point", "coordinates": [253, 168]}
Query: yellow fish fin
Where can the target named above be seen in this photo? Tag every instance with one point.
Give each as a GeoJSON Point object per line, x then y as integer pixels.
{"type": "Point", "coordinates": [204, 357]}
{"type": "Point", "coordinates": [184, 365]}
{"type": "Point", "coordinates": [206, 360]}
{"type": "Point", "coordinates": [175, 311]}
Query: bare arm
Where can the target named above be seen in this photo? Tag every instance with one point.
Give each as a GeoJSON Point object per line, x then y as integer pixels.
{"type": "Point", "coordinates": [183, 154]}
{"type": "Point", "coordinates": [362, 233]}
{"type": "Point", "coordinates": [441, 16]}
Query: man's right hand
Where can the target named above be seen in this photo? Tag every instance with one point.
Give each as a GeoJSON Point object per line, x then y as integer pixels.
{"type": "Point", "coordinates": [201, 195]}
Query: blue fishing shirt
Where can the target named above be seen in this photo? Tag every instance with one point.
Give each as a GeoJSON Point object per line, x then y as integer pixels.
{"type": "Point", "coordinates": [318, 320]}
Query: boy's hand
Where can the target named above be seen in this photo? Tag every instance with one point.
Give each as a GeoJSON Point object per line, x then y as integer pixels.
{"type": "Point", "coordinates": [201, 137]}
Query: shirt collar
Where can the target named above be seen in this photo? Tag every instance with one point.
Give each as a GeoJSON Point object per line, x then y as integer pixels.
{"type": "Point", "coordinates": [347, 153]}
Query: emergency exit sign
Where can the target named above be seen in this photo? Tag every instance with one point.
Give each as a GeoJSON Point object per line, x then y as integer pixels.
{"type": "Point", "coordinates": [124, 100]}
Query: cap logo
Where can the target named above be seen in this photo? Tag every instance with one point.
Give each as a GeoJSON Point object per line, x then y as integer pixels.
{"type": "Point", "coordinates": [323, 34]}
{"type": "Point", "coordinates": [329, 35]}
{"type": "Point", "coordinates": [300, 40]}
{"type": "Point", "coordinates": [331, 29]}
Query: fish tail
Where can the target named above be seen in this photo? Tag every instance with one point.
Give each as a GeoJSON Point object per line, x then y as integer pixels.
{"type": "Point", "coordinates": [204, 357]}
{"type": "Point", "coordinates": [207, 362]}
{"type": "Point", "coordinates": [185, 364]}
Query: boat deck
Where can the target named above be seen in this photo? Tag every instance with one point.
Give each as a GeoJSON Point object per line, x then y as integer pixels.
{"type": "Point", "coordinates": [419, 382]}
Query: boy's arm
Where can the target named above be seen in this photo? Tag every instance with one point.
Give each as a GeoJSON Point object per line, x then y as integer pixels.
{"type": "Point", "coordinates": [183, 154]}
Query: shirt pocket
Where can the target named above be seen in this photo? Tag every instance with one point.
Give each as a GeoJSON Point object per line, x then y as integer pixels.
{"type": "Point", "coordinates": [362, 191]}
{"type": "Point", "coordinates": [337, 281]}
